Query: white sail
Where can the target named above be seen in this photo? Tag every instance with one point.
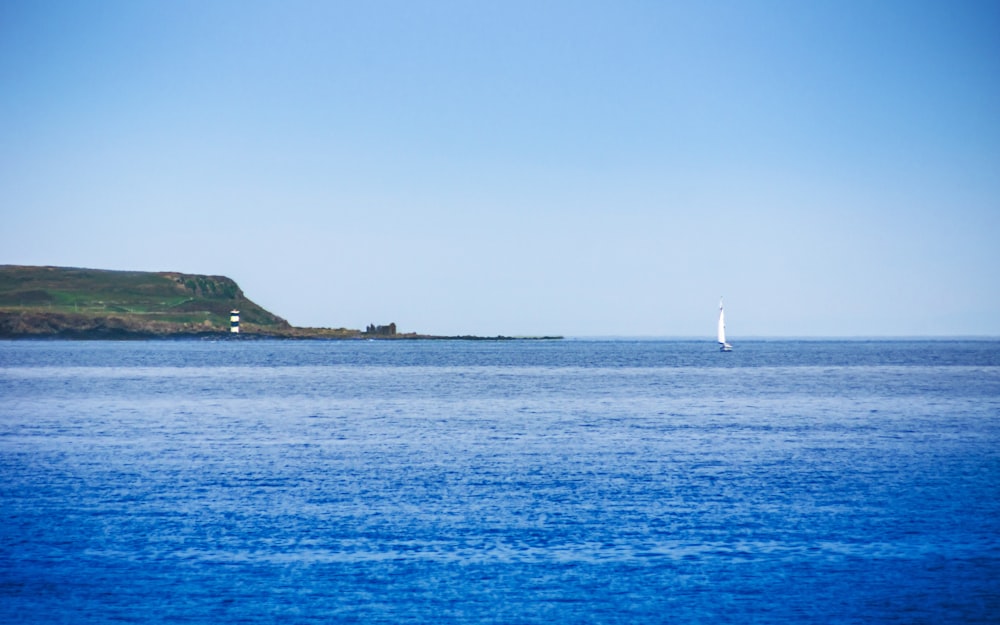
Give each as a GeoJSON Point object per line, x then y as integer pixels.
{"type": "Point", "coordinates": [723, 345]}
{"type": "Point", "coordinates": [722, 324]}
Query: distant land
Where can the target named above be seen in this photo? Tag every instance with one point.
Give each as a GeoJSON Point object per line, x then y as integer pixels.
{"type": "Point", "coordinates": [77, 303]}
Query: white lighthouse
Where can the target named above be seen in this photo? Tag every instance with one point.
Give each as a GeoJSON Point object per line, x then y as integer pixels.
{"type": "Point", "coordinates": [234, 321]}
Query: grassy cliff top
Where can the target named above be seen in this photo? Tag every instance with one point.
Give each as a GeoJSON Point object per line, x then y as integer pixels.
{"type": "Point", "coordinates": [169, 301]}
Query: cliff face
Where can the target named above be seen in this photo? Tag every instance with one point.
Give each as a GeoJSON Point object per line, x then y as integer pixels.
{"type": "Point", "coordinates": [53, 301]}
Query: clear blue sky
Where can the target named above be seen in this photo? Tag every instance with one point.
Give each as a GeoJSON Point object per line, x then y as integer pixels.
{"type": "Point", "coordinates": [577, 168]}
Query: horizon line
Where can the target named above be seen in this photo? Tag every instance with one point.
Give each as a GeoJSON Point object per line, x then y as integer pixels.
{"type": "Point", "coordinates": [778, 337]}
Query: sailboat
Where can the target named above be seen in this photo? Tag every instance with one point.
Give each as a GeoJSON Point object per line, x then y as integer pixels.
{"type": "Point", "coordinates": [723, 345]}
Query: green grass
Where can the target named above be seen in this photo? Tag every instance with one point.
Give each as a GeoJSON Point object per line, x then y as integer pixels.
{"type": "Point", "coordinates": [172, 297]}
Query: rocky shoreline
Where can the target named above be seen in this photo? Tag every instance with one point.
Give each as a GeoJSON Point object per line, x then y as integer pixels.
{"type": "Point", "coordinates": [69, 326]}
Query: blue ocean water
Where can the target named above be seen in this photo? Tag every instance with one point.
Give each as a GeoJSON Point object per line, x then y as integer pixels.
{"type": "Point", "coordinates": [500, 482]}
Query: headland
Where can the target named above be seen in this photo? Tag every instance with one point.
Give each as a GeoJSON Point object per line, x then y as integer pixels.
{"type": "Point", "coordinates": [78, 303]}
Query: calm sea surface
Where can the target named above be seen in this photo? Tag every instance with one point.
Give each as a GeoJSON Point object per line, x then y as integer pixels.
{"type": "Point", "coordinates": [500, 482]}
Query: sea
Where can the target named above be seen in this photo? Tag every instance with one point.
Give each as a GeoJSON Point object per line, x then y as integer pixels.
{"type": "Point", "coordinates": [525, 481]}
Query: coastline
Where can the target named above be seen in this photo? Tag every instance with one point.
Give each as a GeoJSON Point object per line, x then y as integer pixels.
{"type": "Point", "coordinates": [72, 303]}
{"type": "Point", "coordinates": [56, 326]}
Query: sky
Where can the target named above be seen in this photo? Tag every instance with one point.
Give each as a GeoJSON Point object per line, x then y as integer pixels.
{"type": "Point", "coordinates": [580, 168]}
